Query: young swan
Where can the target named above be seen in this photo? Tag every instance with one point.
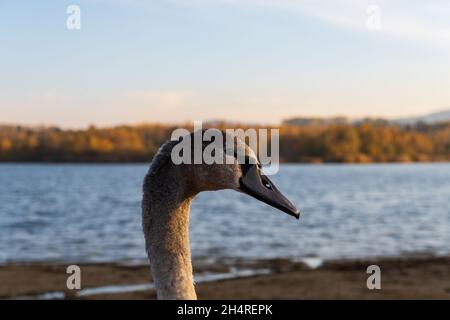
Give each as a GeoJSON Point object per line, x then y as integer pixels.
{"type": "Point", "coordinates": [168, 192]}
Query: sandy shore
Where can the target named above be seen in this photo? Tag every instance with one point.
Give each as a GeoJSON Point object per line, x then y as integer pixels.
{"type": "Point", "coordinates": [402, 278]}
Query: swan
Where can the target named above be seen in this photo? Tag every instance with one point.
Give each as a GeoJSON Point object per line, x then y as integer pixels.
{"type": "Point", "coordinates": [168, 192]}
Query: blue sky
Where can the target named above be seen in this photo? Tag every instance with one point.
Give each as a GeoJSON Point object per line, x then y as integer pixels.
{"type": "Point", "coordinates": [137, 61]}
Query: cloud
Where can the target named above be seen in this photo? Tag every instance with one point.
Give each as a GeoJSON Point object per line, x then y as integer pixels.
{"type": "Point", "coordinates": [413, 19]}
{"type": "Point", "coordinates": [163, 98]}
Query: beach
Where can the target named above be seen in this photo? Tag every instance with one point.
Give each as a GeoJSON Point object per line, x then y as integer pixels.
{"type": "Point", "coordinates": [418, 277]}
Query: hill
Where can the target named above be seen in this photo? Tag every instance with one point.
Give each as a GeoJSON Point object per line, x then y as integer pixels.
{"type": "Point", "coordinates": [431, 118]}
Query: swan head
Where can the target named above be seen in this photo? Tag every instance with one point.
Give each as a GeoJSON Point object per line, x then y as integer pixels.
{"type": "Point", "coordinates": [241, 171]}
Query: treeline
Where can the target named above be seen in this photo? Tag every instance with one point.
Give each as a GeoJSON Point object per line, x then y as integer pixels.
{"type": "Point", "coordinates": [322, 142]}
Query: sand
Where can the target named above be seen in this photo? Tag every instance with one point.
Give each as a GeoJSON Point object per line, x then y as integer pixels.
{"type": "Point", "coordinates": [401, 278]}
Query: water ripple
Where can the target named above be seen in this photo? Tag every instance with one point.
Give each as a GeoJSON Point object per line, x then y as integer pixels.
{"type": "Point", "coordinates": [92, 213]}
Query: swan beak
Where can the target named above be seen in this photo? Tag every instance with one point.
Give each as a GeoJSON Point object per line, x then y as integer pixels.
{"type": "Point", "coordinates": [257, 185]}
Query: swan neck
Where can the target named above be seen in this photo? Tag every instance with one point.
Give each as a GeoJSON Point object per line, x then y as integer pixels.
{"type": "Point", "coordinates": [166, 229]}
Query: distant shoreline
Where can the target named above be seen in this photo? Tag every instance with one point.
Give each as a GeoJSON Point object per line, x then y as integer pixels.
{"type": "Point", "coordinates": [364, 142]}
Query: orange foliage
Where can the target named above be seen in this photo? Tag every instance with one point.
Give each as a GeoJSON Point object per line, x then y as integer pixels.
{"type": "Point", "coordinates": [338, 142]}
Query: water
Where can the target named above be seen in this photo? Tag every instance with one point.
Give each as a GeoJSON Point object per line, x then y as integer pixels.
{"type": "Point", "coordinates": [91, 213]}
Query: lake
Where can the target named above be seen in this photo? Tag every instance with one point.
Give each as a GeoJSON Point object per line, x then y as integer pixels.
{"type": "Point", "coordinates": [91, 213]}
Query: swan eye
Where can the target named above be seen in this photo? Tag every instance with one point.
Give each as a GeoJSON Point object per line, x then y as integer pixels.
{"type": "Point", "coordinates": [267, 184]}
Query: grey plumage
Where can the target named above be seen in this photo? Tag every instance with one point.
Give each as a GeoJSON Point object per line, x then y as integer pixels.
{"type": "Point", "coordinates": [168, 192]}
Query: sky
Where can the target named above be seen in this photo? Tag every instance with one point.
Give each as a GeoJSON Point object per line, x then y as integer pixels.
{"type": "Point", "coordinates": [256, 61]}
